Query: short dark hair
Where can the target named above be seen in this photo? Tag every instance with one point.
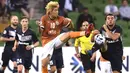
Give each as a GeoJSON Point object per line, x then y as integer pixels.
{"type": "Point", "coordinates": [85, 8]}
{"type": "Point", "coordinates": [24, 17]}
{"type": "Point", "coordinates": [109, 15]}
{"type": "Point", "coordinates": [124, 0]}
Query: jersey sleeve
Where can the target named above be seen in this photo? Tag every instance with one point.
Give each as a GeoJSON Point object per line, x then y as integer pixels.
{"type": "Point", "coordinates": [101, 29]}
{"type": "Point", "coordinates": [118, 30]}
{"type": "Point", "coordinates": [34, 37]}
{"type": "Point", "coordinates": [5, 33]}
{"type": "Point", "coordinates": [65, 21]}
{"type": "Point", "coordinates": [42, 21]}
{"type": "Point", "coordinates": [76, 44]}
{"type": "Point", "coordinates": [16, 37]}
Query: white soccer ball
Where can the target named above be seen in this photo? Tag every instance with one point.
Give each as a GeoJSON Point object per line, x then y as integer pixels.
{"type": "Point", "coordinates": [99, 39]}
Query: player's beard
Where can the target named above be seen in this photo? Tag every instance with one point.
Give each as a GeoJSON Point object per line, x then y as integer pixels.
{"type": "Point", "coordinates": [111, 26]}
{"type": "Point", "coordinates": [15, 24]}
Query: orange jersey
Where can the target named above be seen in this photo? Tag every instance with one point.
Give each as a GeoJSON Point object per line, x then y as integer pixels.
{"type": "Point", "coordinates": [52, 28]}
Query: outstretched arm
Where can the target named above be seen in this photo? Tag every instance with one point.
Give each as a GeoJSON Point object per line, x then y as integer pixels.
{"type": "Point", "coordinates": [68, 23]}
{"type": "Point", "coordinates": [113, 36]}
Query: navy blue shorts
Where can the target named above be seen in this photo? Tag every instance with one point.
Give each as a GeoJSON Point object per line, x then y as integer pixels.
{"type": "Point", "coordinates": [87, 63]}
{"type": "Point", "coordinates": [8, 55]}
{"type": "Point", "coordinates": [25, 61]}
{"type": "Point", "coordinates": [57, 60]}
{"type": "Point", "coordinates": [115, 60]}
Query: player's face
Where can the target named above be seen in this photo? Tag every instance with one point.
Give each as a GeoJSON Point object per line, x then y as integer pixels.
{"type": "Point", "coordinates": [24, 23]}
{"type": "Point", "coordinates": [54, 12]}
{"type": "Point", "coordinates": [14, 21]}
{"type": "Point", "coordinates": [84, 25]}
{"type": "Point", "coordinates": [110, 21]}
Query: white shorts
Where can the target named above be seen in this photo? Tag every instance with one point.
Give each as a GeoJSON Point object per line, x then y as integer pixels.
{"type": "Point", "coordinates": [105, 67]}
{"type": "Point", "coordinates": [50, 46]}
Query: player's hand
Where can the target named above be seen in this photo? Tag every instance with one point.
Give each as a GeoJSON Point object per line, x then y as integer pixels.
{"type": "Point", "coordinates": [92, 58]}
{"type": "Point", "coordinates": [29, 47]}
{"type": "Point", "coordinates": [14, 49]}
{"type": "Point", "coordinates": [95, 32]}
{"type": "Point", "coordinates": [0, 39]}
{"type": "Point", "coordinates": [123, 57]}
{"type": "Point", "coordinates": [78, 55]}
{"type": "Point", "coordinates": [105, 27]}
{"type": "Point", "coordinates": [39, 23]}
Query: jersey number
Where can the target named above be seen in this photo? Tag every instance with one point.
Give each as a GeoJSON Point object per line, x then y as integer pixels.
{"type": "Point", "coordinates": [19, 61]}
{"type": "Point", "coordinates": [53, 26]}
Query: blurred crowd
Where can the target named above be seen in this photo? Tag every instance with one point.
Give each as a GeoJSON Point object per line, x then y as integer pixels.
{"type": "Point", "coordinates": [27, 9]}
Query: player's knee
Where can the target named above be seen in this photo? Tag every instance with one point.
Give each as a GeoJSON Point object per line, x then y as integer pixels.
{"type": "Point", "coordinates": [53, 70]}
{"type": "Point", "coordinates": [20, 69]}
{"type": "Point", "coordinates": [15, 64]}
{"type": "Point", "coordinates": [88, 71]}
{"type": "Point", "coordinates": [67, 34]}
{"type": "Point", "coordinates": [116, 72]}
{"type": "Point", "coordinates": [44, 63]}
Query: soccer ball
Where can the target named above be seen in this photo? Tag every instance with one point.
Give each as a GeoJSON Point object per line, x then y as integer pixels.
{"type": "Point", "coordinates": [99, 39]}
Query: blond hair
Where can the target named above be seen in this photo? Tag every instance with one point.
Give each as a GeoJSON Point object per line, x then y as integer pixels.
{"type": "Point", "coordinates": [51, 5]}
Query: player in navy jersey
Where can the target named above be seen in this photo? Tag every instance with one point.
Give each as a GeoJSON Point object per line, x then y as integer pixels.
{"type": "Point", "coordinates": [25, 41]}
{"type": "Point", "coordinates": [113, 35]}
{"type": "Point", "coordinates": [8, 37]}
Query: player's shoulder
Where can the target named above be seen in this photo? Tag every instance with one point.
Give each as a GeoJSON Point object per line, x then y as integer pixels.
{"type": "Point", "coordinates": [61, 17]}
{"type": "Point", "coordinates": [117, 27]}
{"type": "Point", "coordinates": [44, 17]}
{"type": "Point", "coordinates": [31, 31]}
{"type": "Point", "coordinates": [8, 28]}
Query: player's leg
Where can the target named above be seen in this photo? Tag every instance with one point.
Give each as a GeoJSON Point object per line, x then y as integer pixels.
{"type": "Point", "coordinates": [86, 62]}
{"type": "Point", "coordinates": [20, 68]}
{"type": "Point", "coordinates": [5, 59]}
{"type": "Point", "coordinates": [53, 63]}
{"type": "Point", "coordinates": [44, 69]}
{"type": "Point", "coordinates": [66, 36]}
{"type": "Point", "coordinates": [14, 59]}
{"type": "Point", "coordinates": [15, 67]}
{"type": "Point", "coordinates": [20, 64]}
{"type": "Point", "coordinates": [116, 63]}
{"type": "Point", "coordinates": [45, 62]}
{"type": "Point", "coordinates": [93, 67]}
{"type": "Point", "coordinates": [27, 64]}
{"type": "Point", "coordinates": [59, 61]}
{"type": "Point", "coordinates": [105, 67]}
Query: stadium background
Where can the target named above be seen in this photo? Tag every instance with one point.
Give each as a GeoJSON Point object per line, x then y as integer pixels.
{"type": "Point", "coordinates": [96, 9]}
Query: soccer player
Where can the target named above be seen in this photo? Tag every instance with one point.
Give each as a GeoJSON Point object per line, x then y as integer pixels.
{"type": "Point", "coordinates": [86, 50]}
{"type": "Point", "coordinates": [56, 61]}
{"type": "Point", "coordinates": [114, 52]}
{"type": "Point", "coordinates": [50, 27]}
{"type": "Point", "coordinates": [8, 37]}
{"type": "Point", "coordinates": [25, 41]}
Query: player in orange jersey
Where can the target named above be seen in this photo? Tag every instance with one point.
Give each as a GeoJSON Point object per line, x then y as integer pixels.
{"type": "Point", "coordinates": [50, 27]}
